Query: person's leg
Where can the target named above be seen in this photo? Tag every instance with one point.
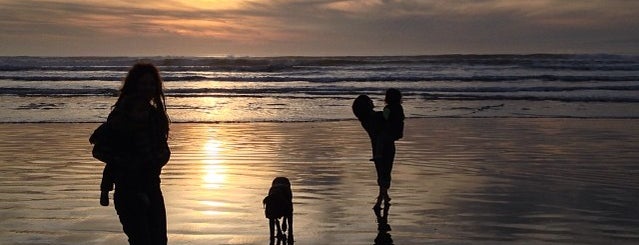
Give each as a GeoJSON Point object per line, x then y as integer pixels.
{"type": "Point", "coordinates": [373, 149]}
{"type": "Point", "coordinates": [386, 169]}
{"type": "Point", "coordinates": [378, 151]}
{"type": "Point", "coordinates": [133, 217]}
{"type": "Point", "coordinates": [157, 218]}
{"type": "Point", "coordinates": [379, 168]}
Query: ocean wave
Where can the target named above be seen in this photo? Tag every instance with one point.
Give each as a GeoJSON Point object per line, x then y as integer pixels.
{"type": "Point", "coordinates": [335, 79]}
{"type": "Point", "coordinates": [312, 120]}
{"type": "Point", "coordinates": [283, 89]}
{"type": "Point", "coordinates": [58, 92]}
{"type": "Point", "coordinates": [280, 64]}
{"type": "Point", "coordinates": [567, 93]}
{"type": "Point", "coordinates": [562, 98]}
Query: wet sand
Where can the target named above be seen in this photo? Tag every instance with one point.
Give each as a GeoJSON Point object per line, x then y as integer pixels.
{"type": "Point", "coordinates": [455, 181]}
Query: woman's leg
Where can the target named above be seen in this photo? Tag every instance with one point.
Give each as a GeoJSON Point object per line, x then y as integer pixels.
{"type": "Point", "coordinates": [133, 212]}
{"type": "Point", "coordinates": [387, 168]}
{"type": "Point", "coordinates": [379, 168]}
{"type": "Point", "coordinates": [157, 217]}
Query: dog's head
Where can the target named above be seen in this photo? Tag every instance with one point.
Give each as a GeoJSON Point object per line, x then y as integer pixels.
{"type": "Point", "coordinates": [281, 186]}
{"type": "Point", "coordinates": [279, 200]}
{"type": "Point", "coordinates": [281, 181]}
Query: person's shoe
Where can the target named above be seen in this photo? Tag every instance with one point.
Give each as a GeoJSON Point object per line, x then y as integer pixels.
{"type": "Point", "coordinates": [104, 198]}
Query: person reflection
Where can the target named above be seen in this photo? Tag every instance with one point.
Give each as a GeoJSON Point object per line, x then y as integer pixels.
{"type": "Point", "coordinates": [383, 237]}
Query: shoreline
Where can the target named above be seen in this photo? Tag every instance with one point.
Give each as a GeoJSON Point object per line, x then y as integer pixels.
{"type": "Point", "coordinates": [354, 119]}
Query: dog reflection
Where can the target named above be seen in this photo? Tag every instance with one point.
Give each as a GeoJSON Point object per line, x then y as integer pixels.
{"type": "Point", "coordinates": [383, 237]}
{"type": "Point", "coordinates": [279, 204]}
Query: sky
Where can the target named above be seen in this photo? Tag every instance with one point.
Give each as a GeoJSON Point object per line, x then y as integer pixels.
{"type": "Point", "coordinates": [316, 27]}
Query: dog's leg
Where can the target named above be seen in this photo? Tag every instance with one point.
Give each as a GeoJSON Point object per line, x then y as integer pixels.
{"type": "Point", "coordinates": [290, 229]}
{"type": "Point", "coordinates": [279, 229]}
{"type": "Point", "coordinates": [271, 226]}
{"type": "Point", "coordinates": [284, 223]}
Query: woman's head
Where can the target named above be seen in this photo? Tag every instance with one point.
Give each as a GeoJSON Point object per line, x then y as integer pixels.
{"type": "Point", "coordinates": [143, 81]}
{"type": "Point", "coordinates": [143, 84]}
{"type": "Point", "coordinates": [362, 106]}
{"type": "Point", "coordinates": [393, 96]}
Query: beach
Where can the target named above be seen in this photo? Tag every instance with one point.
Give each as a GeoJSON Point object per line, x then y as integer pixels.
{"type": "Point", "coordinates": [455, 181]}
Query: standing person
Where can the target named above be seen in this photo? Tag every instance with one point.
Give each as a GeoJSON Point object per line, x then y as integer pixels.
{"type": "Point", "coordinates": [393, 130]}
{"type": "Point", "coordinates": [382, 144]}
{"type": "Point", "coordinates": [133, 144]}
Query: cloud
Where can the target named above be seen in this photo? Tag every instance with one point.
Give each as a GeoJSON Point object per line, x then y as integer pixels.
{"type": "Point", "coordinates": [325, 26]}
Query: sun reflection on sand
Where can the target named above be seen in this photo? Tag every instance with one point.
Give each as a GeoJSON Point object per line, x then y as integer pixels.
{"type": "Point", "coordinates": [214, 170]}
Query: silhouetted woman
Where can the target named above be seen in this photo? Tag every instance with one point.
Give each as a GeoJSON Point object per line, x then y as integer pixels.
{"type": "Point", "coordinates": [383, 128]}
{"type": "Point", "coordinates": [392, 130]}
{"type": "Point", "coordinates": [137, 131]}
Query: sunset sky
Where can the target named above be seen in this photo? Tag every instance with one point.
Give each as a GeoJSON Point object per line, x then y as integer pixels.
{"type": "Point", "coordinates": [316, 27]}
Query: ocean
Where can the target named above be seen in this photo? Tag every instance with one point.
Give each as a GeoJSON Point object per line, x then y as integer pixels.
{"type": "Point", "coordinates": [288, 89]}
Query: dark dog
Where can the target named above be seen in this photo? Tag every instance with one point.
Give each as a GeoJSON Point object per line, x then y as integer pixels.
{"type": "Point", "coordinates": [279, 204]}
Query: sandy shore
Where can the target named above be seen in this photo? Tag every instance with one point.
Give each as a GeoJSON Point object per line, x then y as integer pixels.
{"type": "Point", "coordinates": [469, 181]}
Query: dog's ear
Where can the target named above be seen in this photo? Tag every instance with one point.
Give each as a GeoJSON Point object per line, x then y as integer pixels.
{"type": "Point", "coordinates": [288, 182]}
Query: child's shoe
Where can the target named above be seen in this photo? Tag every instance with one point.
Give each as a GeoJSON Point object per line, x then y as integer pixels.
{"type": "Point", "coordinates": [104, 198]}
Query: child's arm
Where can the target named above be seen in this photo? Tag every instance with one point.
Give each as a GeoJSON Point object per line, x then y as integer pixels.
{"type": "Point", "coordinates": [387, 113]}
{"type": "Point", "coordinates": [396, 122]}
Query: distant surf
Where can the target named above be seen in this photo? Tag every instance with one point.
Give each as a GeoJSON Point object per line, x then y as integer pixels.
{"type": "Point", "coordinates": [542, 85]}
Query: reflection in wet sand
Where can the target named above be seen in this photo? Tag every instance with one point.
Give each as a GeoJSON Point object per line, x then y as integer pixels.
{"type": "Point", "coordinates": [541, 181]}
{"type": "Point", "coordinates": [383, 228]}
{"type": "Point", "coordinates": [214, 168]}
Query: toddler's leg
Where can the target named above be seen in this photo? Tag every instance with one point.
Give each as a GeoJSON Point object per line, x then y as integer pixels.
{"type": "Point", "coordinates": [104, 198]}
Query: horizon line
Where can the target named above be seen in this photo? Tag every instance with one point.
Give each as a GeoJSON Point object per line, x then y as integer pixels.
{"type": "Point", "coordinates": [313, 56]}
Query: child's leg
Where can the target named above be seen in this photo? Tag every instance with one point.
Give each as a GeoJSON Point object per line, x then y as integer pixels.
{"type": "Point", "coordinates": [106, 185]}
{"type": "Point", "coordinates": [104, 198]}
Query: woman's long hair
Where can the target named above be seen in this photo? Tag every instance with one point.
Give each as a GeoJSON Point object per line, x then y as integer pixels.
{"type": "Point", "coordinates": [130, 88]}
{"type": "Point", "coordinates": [362, 107]}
